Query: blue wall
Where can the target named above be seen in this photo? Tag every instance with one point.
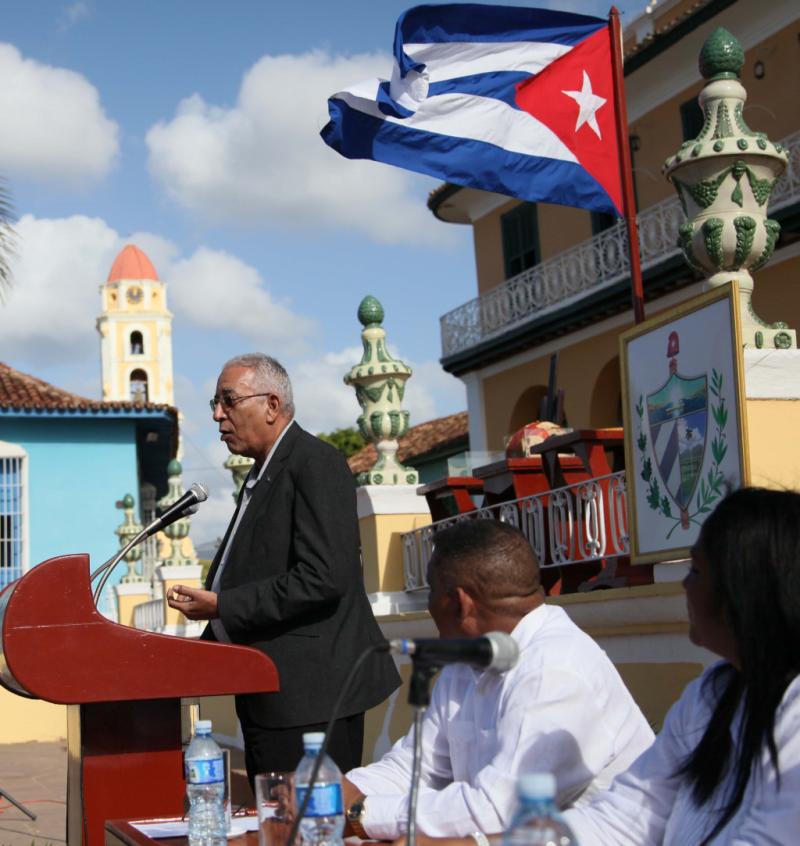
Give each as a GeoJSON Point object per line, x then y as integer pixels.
{"type": "Point", "coordinates": [77, 470]}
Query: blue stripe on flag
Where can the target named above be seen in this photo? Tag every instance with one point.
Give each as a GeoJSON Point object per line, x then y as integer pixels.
{"type": "Point", "coordinates": [478, 22]}
{"type": "Point", "coordinates": [478, 164]}
{"type": "Point", "coordinates": [501, 85]}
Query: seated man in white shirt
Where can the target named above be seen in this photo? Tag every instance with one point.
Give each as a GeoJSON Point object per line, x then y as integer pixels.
{"type": "Point", "coordinates": [563, 709]}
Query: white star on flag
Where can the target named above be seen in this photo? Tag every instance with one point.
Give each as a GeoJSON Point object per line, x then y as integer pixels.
{"type": "Point", "coordinates": [588, 104]}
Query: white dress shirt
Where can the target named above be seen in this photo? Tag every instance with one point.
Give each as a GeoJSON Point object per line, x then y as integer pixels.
{"type": "Point", "coordinates": [562, 709]}
{"type": "Point", "coordinates": [249, 484]}
{"type": "Point", "coordinates": [650, 805]}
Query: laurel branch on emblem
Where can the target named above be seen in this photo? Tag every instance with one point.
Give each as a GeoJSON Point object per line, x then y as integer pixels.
{"type": "Point", "coordinates": [711, 487]}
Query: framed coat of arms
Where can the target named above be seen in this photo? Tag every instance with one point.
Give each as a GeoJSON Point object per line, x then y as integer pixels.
{"type": "Point", "coordinates": [683, 411]}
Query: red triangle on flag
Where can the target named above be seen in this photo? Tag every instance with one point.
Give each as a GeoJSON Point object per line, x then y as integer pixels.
{"type": "Point", "coordinates": [574, 97]}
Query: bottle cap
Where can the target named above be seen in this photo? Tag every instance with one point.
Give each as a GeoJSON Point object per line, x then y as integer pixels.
{"type": "Point", "coordinates": [313, 739]}
{"type": "Point", "coordinates": [537, 786]}
{"type": "Point", "coordinates": [202, 727]}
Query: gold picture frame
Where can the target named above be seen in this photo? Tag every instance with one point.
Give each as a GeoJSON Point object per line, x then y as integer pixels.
{"type": "Point", "coordinates": [686, 428]}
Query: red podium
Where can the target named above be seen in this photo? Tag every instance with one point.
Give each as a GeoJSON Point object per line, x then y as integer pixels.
{"type": "Point", "coordinates": [122, 687]}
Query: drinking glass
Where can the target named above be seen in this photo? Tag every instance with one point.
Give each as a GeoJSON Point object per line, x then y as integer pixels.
{"type": "Point", "coordinates": [275, 804]}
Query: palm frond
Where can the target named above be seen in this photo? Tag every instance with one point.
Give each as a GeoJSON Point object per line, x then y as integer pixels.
{"type": "Point", "coordinates": [8, 240]}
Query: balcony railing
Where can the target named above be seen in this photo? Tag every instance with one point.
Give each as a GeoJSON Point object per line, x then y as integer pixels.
{"type": "Point", "coordinates": [590, 266]}
{"type": "Point", "coordinates": [149, 616]}
{"type": "Point", "coordinates": [582, 522]}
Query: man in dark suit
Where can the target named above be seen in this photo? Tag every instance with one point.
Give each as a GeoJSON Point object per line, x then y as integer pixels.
{"type": "Point", "coordinates": [287, 577]}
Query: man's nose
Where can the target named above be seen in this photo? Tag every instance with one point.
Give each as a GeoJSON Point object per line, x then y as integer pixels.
{"type": "Point", "coordinates": [219, 412]}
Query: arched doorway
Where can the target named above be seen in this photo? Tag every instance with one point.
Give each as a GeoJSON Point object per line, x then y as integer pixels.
{"type": "Point", "coordinates": [605, 409]}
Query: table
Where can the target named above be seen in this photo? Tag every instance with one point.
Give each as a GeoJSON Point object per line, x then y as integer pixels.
{"type": "Point", "coordinates": [451, 496]}
{"type": "Point", "coordinates": [581, 454]}
{"type": "Point", "coordinates": [122, 833]}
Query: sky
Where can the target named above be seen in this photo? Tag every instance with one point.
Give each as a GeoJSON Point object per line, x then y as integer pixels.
{"type": "Point", "coordinates": [191, 128]}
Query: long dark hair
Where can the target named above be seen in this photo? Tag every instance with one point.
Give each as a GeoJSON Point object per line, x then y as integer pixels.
{"type": "Point", "coordinates": [752, 544]}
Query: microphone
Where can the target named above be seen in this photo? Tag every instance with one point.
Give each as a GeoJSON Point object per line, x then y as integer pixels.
{"type": "Point", "coordinates": [495, 651]}
{"type": "Point", "coordinates": [187, 504]}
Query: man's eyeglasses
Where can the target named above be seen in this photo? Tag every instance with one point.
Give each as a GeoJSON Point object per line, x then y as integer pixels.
{"type": "Point", "coordinates": [228, 401]}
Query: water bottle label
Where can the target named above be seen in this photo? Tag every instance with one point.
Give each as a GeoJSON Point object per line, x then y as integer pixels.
{"type": "Point", "coordinates": [205, 771]}
{"type": "Point", "coordinates": [325, 801]}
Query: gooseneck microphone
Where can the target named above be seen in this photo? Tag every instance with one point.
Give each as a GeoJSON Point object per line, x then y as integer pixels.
{"type": "Point", "coordinates": [187, 504]}
{"type": "Point", "coordinates": [495, 651]}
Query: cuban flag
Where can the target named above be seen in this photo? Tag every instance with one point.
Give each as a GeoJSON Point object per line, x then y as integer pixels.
{"type": "Point", "coordinates": [506, 99]}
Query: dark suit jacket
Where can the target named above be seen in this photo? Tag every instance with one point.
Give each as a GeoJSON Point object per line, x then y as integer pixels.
{"type": "Point", "coordinates": [293, 587]}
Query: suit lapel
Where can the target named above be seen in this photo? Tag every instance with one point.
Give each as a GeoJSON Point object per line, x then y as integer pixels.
{"type": "Point", "coordinates": [212, 570]}
{"type": "Point", "coordinates": [265, 485]}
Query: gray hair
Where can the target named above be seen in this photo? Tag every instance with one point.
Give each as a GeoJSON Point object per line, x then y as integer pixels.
{"type": "Point", "coordinates": [270, 374]}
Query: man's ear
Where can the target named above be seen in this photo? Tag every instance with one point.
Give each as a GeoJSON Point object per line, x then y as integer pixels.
{"type": "Point", "coordinates": [467, 611]}
{"type": "Point", "coordinates": [273, 407]}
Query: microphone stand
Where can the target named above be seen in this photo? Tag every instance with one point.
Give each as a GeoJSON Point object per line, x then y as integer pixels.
{"type": "Point", "coordinates": [419, 697]}
{"type": "Point", "coordinates": [108, 568]}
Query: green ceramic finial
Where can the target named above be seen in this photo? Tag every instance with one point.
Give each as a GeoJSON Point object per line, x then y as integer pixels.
{"type": "Point", "coordinates": [127, 501]}
{"type": "Point", "coordinates": [174, 468]}
{"type": "Point", "coordinates": [722, 56]}
{"type": "Point", "coordinates": [370, 311]}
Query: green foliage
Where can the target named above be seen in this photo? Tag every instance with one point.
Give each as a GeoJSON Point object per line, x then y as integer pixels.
{"type": "Point", "coordinates": [347, 441]}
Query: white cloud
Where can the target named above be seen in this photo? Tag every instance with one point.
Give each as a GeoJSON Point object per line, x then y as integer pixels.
{"type": "Point", "coordinates": [215, 290]}
{"type": "Point", "coordinates": [61, 264]}
{"type": "Point", "coordinates": [262, 161]}
{"type": "Point", "coordinates": [55, 128]}
{"type": "Point", "coordinates": [51, 309]}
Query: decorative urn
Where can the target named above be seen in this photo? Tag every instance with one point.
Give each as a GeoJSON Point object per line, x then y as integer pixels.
{"type": "Point", "coordinates": [379, 381]}
{"type": "Point", "coordinates": [724, 178]}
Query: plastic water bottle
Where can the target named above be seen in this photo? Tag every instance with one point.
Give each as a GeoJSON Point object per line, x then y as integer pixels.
{"type": "Point", "coordinates": [205, 788]}
{"type": "Point", "coordinates": [323, 820]}
{"type": "Point", "coordinates": [537, 821]}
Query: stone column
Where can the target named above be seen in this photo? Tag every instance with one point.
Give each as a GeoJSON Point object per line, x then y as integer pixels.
{"type": "Point", "coordinates": [180, 566]}
{"type": "Point", "coordinates": [132, 590]}
{"type": "Point", "coordinates": [388, 504]}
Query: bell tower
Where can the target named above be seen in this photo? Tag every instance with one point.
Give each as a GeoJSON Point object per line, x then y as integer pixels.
{"type": "Point", "coordinates": [135, 329]}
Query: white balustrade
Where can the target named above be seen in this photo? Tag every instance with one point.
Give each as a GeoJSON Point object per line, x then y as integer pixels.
{"type": "Point", "coordinates": [590, 266]}
{"type": "Point", "coordinates": [585, 521]}
{"type": "Point", "coordinates": [149, 616]}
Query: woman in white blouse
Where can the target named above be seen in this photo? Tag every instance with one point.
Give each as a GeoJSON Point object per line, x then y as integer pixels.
{"type": "Point", "coordinates": [725, 769]}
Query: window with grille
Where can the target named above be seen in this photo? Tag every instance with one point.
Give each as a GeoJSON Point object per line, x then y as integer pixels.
{"type": "Point", "coordinates": [13, 505]}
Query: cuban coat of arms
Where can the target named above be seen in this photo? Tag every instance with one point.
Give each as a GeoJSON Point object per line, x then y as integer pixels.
{"type": "Point", "coordinates": [678, 423]}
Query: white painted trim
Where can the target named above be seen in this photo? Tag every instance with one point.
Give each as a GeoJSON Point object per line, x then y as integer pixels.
{"type": "Point", "coordinates": [390, 499]}
{"type": "Point", "coordinates": [187, 571]}
{"type": "Point", "coordinates": [772, 374]}
{"type": "Point", "coordinates": [386, 603]}
{"type": "Point", "coordinates": [132, 589]}
{"type": "Point", "coordinates": [11, 450]}
{"type": "Point", "coordinates": [476, 414]}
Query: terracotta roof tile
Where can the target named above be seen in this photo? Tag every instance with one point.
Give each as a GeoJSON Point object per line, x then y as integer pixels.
{"type": "Point", "coordinates": [418, 441]}
{"type": "Point", "coordinates": [24, 392]}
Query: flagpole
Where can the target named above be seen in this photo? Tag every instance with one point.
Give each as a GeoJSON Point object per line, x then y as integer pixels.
{"type": "Point", "coordinates": [626, 168]}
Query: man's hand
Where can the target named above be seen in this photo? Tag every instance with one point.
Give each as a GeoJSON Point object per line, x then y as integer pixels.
{"type": "Point", "coordinates": [349, 795]}
{"type": "Point", "coordinates": [193, 603]}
